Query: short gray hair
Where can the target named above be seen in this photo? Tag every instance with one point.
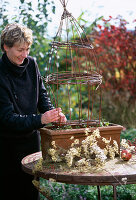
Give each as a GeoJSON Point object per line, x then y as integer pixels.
{"type": "Point", "coordinates": [13, 33]}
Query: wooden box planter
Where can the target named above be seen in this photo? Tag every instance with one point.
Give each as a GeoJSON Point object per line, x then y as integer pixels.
{"type": "Point", "coordinates": [62, 137]}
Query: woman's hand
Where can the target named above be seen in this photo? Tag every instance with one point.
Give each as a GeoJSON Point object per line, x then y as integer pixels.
{"type": "Point", "coordinates": [62, 118]}
{"type": "Point", "coordinates": [54, 115]}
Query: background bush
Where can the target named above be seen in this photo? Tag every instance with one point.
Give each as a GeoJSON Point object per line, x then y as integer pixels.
{"type": "Point", "coordinates": [60, 191]}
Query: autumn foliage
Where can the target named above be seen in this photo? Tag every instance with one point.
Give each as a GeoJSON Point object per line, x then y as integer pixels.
{"type": "Point", "coordinates": [116, 50]}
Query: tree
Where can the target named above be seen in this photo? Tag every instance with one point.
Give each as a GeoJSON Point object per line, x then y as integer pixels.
{"type": "Point", "coordinates": [116, 47]}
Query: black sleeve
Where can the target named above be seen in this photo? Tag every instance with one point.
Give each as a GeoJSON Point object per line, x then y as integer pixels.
{"type": "Point", "coordinates": [9, 120]}
{"type": "Point", "coordinates": [44, 102]}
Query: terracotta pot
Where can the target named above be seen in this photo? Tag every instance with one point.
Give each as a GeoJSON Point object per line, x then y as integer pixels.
{"type": "Point", "coordinates": [62, 137]}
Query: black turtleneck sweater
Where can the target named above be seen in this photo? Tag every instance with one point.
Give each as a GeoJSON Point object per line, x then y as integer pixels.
{"type": "Point", "coordinates": [22, 95]}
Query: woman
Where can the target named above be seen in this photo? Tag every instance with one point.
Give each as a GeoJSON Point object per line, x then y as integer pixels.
{"type": "Point", "coordinates": [24, 108]}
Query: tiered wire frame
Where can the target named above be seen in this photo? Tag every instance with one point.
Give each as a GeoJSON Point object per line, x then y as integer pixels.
{"type": "Point", "coordinates": [73, 78]}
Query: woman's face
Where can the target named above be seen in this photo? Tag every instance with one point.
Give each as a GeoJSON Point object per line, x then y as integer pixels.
{"type": "Point", "coordinates": [17, 53]}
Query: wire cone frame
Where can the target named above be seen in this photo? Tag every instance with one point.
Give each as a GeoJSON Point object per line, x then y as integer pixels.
{"type": "Point", "coordinates": [73, 79]}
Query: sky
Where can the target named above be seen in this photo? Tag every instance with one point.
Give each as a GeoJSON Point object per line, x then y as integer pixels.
{"type": "Point", "coordinates": [96, 8]}
{"type": "Point", "coordinates": [92, 9]}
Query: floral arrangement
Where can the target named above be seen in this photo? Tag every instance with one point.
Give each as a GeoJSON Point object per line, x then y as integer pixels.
{"type": "Point", "coordinates": [85, 155]}
{"type": "Point", "coordinates": [88, 154]}
{"type": "Point", "coordinates": [127, 145]}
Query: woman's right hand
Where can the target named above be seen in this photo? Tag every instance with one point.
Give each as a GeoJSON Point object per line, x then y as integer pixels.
{"type": "Point", "coordinates": [53, 115]}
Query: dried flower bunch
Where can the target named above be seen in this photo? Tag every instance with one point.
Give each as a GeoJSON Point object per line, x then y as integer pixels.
{"type": "Point", "coordinates": [84, 157]}
{"type": "Point", "coordinates": [125, 145]}
{"type": "Point", "coordinates": [87, 154]}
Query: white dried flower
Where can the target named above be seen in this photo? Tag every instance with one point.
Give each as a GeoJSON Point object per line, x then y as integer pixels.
{"type": "Point", "coordinates": [81, 162]}
{"type": "Point", "coordinates": [96, 133]}
{"type": "Point", "coordinates": [124, 180]}
{"type": "Point", "coordinates": [106, 141]}
{"type": "Point", "coordinates": [125, 145]}
{"type": "Point", "coordinates": [86, 131]}
{"type": "Point", "coordinates": [76, 141]}
{"type": "Point", "coordinates": [53, 144]}
{"type": "Point", "coordinates": [105, 151]}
